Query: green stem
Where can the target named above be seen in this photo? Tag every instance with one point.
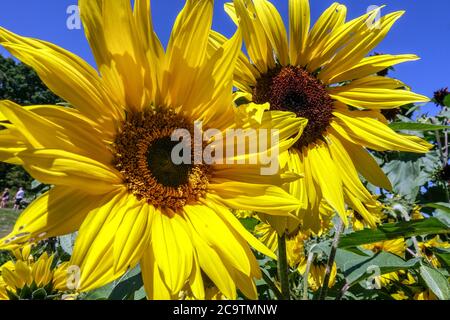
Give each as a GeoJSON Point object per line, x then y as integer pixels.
{"type": "Point", "coordinates": [407, 218]}
{"type": "Point", "coordinates": [306, 275]}
{"type": "Point", "coordinates": [283, 268]}
{"type": "Point", "coordinates": [331, 258]}
{"type": "Point", "coordinates": [271, 285]}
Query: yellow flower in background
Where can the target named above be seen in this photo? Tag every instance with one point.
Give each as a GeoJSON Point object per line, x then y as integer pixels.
{"type": "Point", "coordinates": [108, 156]}
{"type": "Point", "coordinates": [323, 74]}
{"type": "Point", "coordinates": [359, 223]}
{"type": "Point", "coordinates": [295, 250]}
{"type": "Point", "coordinates": [425, 295]}
{"type": "Point", "coordinates": [416, 213]}
{"type": "Point", "coordinates": [426, 249]}
{"type": "Point", "coordinates": [397, 247]}
{"type": "Point", "coordinates": [26, 279]}
{"type": "Point", "coordinates": [400, 295]}
{"type": "Point", "coordinates": [296, 254]}
{"type": "Point", "coordinates": [317, 274]}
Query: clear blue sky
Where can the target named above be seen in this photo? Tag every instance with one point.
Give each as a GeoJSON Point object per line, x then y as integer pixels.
{"type": "Point", "coordinates": [423, 30]}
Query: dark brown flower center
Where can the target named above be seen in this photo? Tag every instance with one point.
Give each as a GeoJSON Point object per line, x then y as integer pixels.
{"type": "Point", "coordinates": [294, 89]}
{"type": "Point", "coordinates": [143, 154]}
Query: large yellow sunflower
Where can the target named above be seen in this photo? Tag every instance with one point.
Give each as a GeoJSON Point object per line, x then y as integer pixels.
{"type": "Point", "coordinates": [109, 155]}
{"type": "Point", "coordinates": [323, 74]}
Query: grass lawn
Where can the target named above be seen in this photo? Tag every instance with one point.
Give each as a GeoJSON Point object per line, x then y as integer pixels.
{"type": "Point", "coordinates": [7, 219]}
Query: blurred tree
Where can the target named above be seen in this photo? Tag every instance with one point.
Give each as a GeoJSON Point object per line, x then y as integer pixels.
{"type": "Point", "coordinates": [19, 83]}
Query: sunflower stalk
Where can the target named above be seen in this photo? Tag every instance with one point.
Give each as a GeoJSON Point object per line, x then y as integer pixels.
{"type": "Point", "coordinates": [407, 218]}
{"type": "Point", "coordinates": [446, 147]}
{"type": "Point", "coordinates": [271, 285]}
{"type": "Point", "coordinates": [306, 275]}
{"type": "Point", "coordinates": [283, 267]}
{"type": "Point", "coordinates": [331, 258]}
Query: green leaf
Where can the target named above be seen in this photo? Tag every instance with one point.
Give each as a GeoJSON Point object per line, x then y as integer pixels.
{"type": "Point", "coordinates": [442, 211]}
{"type": "Point", "coordinates": [130, 285]}
{"type": "Point", "coordinates": [249, 223]}
{"type": "Point", "coordinates": [444, 258]}
{"type": "Point", "coordinates": [100, 293]}
{"type": "Point", "coordinates": [436, 282]}
{"type": "Point", "coordinates": [416, 126]}
{"type": "Point", "coordinates": [67, 242]}
{"type": "Point", "coordinates": [35, 184]}
{"type": "Point", "coordinates": [408, 172]}
{"type": "Point", "coordinates": [438, 205]}
{"type": "Point", "coordinates": [391, 231]}
{"type": "Point", "coordinates": [359, 266]}
{"type": "Point", "coordinates": [447, 100]}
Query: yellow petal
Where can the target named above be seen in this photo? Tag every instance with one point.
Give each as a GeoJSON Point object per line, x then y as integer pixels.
{"type": "Point", "coordinates": [369, 132]}
{"type": "Point", "coordinates": [375, 93]}
{"type": "Point", "coordinates": [274, 28]}
{"type": "Point", "coordinates": [187, 51]}
{"type": "Point", "coordinates": [154, 285]}
{"type": "Point", "coordinates": [119, 49]}
{"type": "Point", "coordinates": [213, 88]}
{"type": "Point", "coordinates": [57, 212]}
{"type": "Point", "coordinates": [369, 66]}
{"type": "Point", "coordinates": [339, 38]}
{"type": "Point", "coordinates": [330, 20]}
{"type": "Point", "coordinates": [234, 223]}
{"type": "Point", "coordinates": [93, 252]}
{"type": "Point", "coordinates": [57, 128]}
{"type": "Point", "coordinates": [12, 279]}
{"type": "Point", "coordinates": [12, 142]}
{"type": "Point", "coordinates": [67, 75]}
{"type": "Point", "coordinates": [255, 197]}
{"type": "Point", "coordinates": [173, 250]}
{"type": "Point", "coordinates": [360, 45]}
{"type": "Point", "coordinates": [64, 168]}
{"type": "Point", "coordinates": [41, 270]}
{"type": "Point", "coordinates": [246, 285]}
{"type": "Point", "coordinates": [347, 169]}
{"type": "Point", "coordinates": [210, 262]}
{"type": "Point", "coordinates": [196, 282]}
{"type": "Point", "coordinates": [245, 73]}
{"type": "Point", "coordinates": [326, 175]}
{"type": "Point", "coordinates": [366, 164]}
{"type": "Point", "coordinates": [258, 45]}
{"type": "Point", "coordinates": [133, 234]}
{"type": "Point", "coordinates": [217, 235]}
{"type": "Point", "coordinates": [299, 23]}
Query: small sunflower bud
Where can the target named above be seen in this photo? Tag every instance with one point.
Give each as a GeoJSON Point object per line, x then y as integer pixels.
{"type": "Point", "coordinates": [439, 96]}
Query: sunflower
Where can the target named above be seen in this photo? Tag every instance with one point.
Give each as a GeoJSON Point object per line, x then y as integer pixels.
{"type": "Point", "coordinates": [395, 246]}
{"type": "Point", "coordinates": [324, 74]}
{"type": "Point", "coordinates": [296, 253]}
{"type": "Point", "coordinates": [108, 155]}
{"type": "Point", "coordinates": [428, 249]}
{"type": "Point", "coordinates": [26, 279]}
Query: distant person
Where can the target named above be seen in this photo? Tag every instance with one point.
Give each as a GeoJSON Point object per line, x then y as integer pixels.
{"type": "Point", "coordinates": [19, 198]}
{"type": "Point", "coordinates": [5, 199]}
